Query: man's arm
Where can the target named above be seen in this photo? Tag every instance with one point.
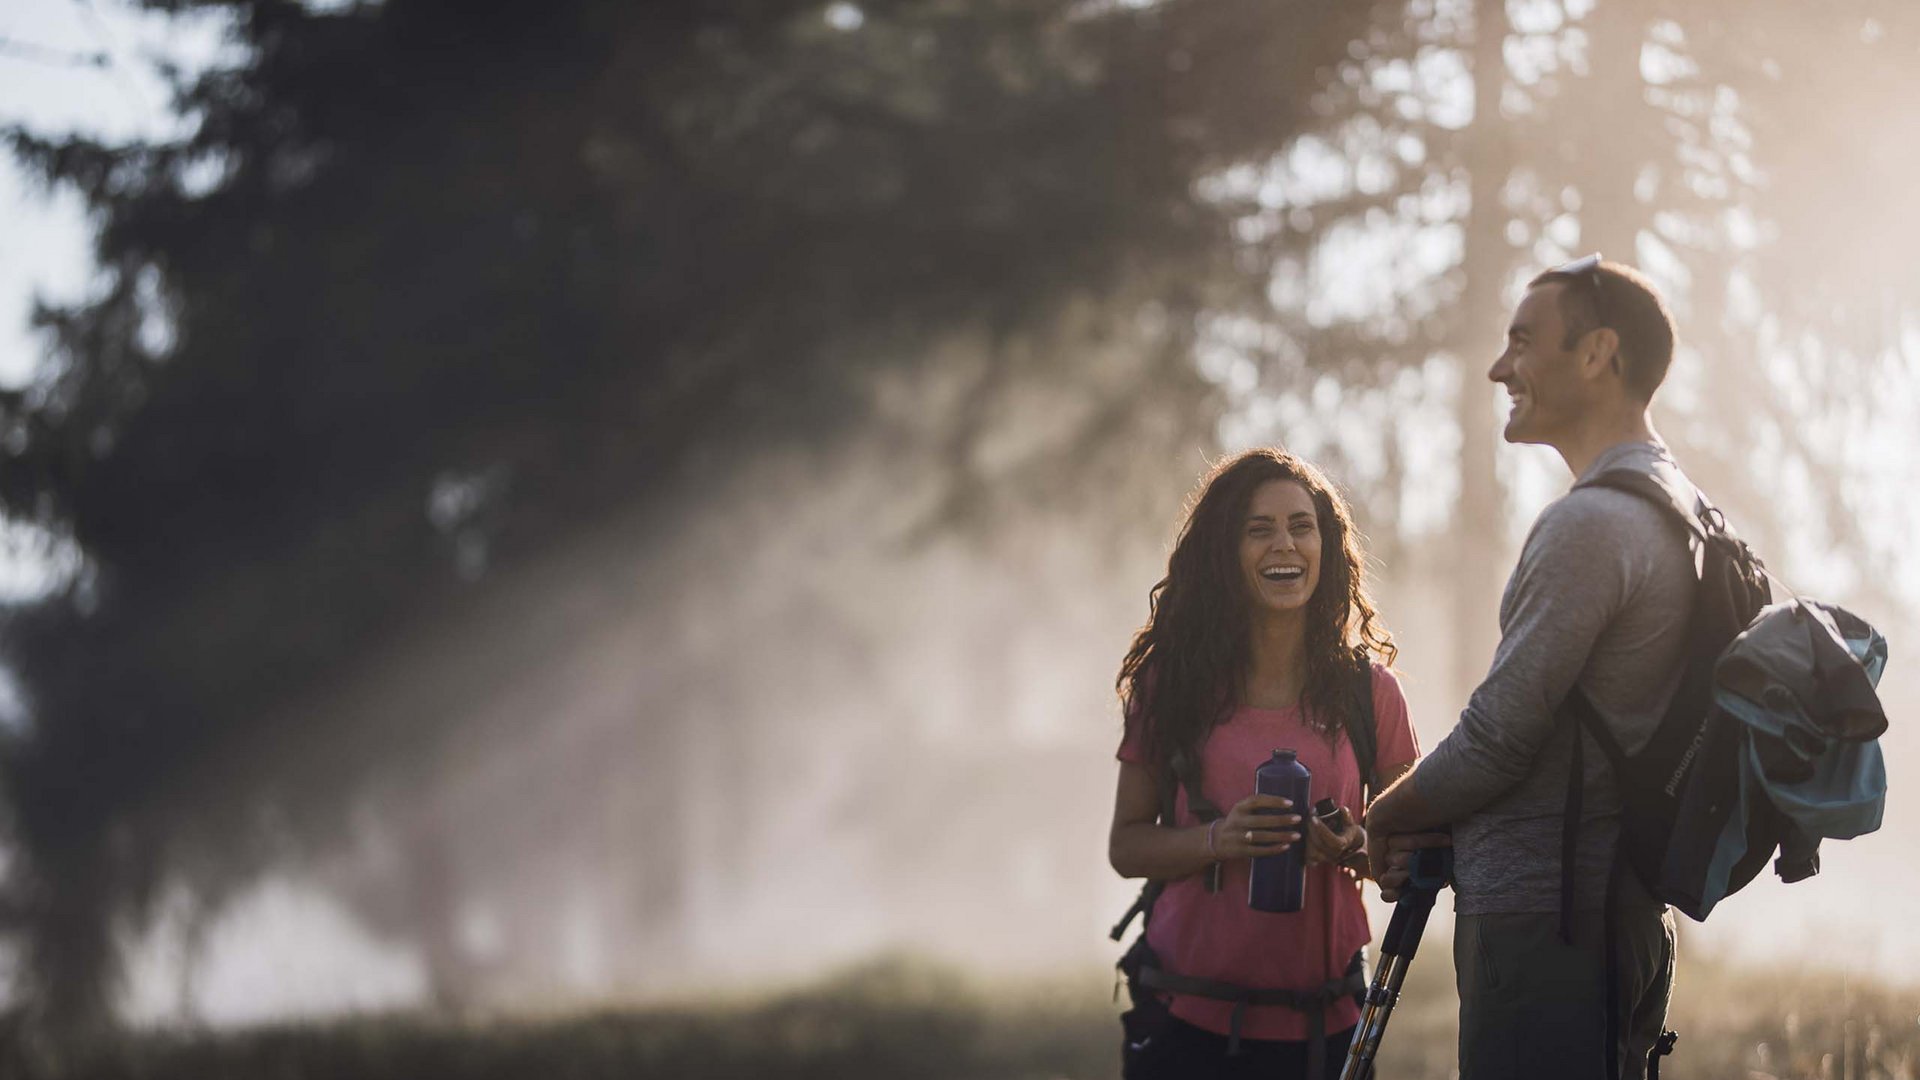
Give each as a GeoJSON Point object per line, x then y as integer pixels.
{"type": "Point", "coordinates": [1401, 808]}
{"type": "Point", "coordinates": [1572, 578]}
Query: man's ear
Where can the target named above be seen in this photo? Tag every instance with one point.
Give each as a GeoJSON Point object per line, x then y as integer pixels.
{"type": "Point", "coordinates": [1601, 352]}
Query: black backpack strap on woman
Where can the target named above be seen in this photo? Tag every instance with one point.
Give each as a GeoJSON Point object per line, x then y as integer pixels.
{"type": "Point", "coordinates": [1314, 1003]}
{"type": "Point", "coordinates": [1362, 733]}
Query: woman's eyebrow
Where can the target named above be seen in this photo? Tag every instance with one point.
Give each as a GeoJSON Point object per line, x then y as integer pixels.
{"type": "Point", "coordinates": [1300, 515]}
{"type": "Point", "coordinates": [1252, 518]}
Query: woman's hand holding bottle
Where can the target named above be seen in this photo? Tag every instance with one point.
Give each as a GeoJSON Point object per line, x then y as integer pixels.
{"type": "Point", "coordinates": [1257, 825]}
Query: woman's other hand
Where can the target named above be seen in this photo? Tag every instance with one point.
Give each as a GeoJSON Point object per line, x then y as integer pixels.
{"type": "Point", "coordinates": [1326, 846]}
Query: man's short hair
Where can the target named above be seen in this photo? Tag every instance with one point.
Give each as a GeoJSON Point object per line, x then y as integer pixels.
{"type": "Point", "coordinates": [1632, 308]}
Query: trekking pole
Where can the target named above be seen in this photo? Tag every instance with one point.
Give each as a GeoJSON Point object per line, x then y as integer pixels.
{"type": "Point", "coordinates": [1427, 873]}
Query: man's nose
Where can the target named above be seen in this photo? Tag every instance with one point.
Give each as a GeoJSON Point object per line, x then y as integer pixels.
{"type": "Point", "coordinates": [1501, 370]}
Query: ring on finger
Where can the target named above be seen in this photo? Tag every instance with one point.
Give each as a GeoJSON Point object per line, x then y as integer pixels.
{"type": "Point", "coordinates": [1249, 836]}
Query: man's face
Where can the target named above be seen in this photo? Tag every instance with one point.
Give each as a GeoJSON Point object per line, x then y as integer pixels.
{"type": "Point", "coordinates": [1542, 378]}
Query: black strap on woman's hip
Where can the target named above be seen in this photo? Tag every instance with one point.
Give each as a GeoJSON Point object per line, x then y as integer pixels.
{"type": "Point", "coordinates": [1313, 1002]}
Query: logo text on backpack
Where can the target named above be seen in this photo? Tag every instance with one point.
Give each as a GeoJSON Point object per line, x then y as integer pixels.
{"type": "Point", "coordinates": [1686, 759]}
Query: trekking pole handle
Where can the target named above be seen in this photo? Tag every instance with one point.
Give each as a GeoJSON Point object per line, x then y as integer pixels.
{"type": "Point", "coordinates": [1428, 871]}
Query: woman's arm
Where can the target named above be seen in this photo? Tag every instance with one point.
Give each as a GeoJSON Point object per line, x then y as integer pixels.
{"type": "Point", "coordinates": [1138, 847]}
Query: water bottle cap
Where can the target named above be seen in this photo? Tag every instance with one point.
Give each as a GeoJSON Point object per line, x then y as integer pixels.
{"type": "Point", "coordinates": [1284, 755]}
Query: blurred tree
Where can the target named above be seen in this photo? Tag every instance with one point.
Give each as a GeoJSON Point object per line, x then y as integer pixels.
{"type": "Point", "coordinates": [434, 287]}
{"type": "Point", "coordinates": [1466, 144]}
{"type": "Point", "coordinates": [434, 284]}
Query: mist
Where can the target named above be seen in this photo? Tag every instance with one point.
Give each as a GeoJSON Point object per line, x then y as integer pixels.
{"type": "Point", "coordinates": [788, 733]}
{"type": "Point", "coordinates": [612, 507]}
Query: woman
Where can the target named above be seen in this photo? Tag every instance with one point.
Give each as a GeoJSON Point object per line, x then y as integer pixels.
{"type": "Point", "coordinates": [1256, 640]}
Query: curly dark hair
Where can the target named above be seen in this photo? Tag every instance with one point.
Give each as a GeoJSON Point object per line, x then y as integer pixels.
{"type": "Point", "coordinates": [1184, 671]}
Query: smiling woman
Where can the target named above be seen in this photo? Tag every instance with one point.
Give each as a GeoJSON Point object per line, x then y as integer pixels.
{"type": "Point", "coordinates": [1262, 637]}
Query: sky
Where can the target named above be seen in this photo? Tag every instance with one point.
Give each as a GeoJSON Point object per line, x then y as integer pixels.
{"type": "Point", "coordinates": [50, 83]}
{"type": "Point", "coordinates": [88, 67]}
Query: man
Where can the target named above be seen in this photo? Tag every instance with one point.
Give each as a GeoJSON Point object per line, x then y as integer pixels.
{"type": "Point", "coordinates": [1600, 600]}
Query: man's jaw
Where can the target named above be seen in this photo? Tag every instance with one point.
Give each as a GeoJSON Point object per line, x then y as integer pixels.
{"type": "Point", "coordinates": [1517, 402]}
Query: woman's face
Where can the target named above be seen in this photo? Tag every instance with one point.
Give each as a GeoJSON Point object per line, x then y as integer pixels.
{"type": "Point", "coordinates": [1280, 547]}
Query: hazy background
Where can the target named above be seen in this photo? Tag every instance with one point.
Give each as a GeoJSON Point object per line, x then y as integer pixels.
{"type": "Point", "coordinates": [520, 506]}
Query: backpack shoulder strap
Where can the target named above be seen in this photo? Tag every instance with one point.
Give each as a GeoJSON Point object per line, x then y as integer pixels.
{"type": "Point", "coordinates": [1584, 715]}
{"type": "Point", "coordinates": [1361, 733]}
{"type": "Point", "coordinates": [1690, 507]}
{"type": "Point", "coordinates": [1185, 773]}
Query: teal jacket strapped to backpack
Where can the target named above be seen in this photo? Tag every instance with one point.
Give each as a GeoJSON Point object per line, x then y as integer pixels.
{"type": "Point", "coordinates": [1799, 685]}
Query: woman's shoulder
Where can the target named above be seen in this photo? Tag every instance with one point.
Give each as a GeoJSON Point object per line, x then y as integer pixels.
{"type": "Point", "coordinates": [1392, 724]}
{"type": "Point", "coordinates": [1385, 679]}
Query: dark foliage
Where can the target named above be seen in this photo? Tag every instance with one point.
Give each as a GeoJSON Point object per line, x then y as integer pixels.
{"type": "Point", "coordinates": [436, 284]}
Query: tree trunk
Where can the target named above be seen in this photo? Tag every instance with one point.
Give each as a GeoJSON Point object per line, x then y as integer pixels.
{"type": "Point", "coordinates": [70, 956]}
{"type": "Point", "coordinates": [1620, 132]}
{"type": "Point", "coordinates": [435, 901]}
{"type": "Point", "coordinates": [1479, 525]}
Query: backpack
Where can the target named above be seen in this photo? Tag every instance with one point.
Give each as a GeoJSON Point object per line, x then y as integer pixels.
{"type": "Point", "coordinates": [1680, 791]}
{"type": "Point", "coordinates": [1140, 968]}
{"type": "Point", "coordinates": [1770, 696]}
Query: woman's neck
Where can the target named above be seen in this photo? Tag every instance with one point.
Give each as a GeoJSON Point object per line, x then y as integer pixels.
{"type": "Point", "coordinates": [1276, 664]}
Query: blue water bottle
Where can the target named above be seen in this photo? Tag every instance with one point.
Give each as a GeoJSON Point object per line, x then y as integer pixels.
{"type": "Point", "coordinates": [1279, 882]}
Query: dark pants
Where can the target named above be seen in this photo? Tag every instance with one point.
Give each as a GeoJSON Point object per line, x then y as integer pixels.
{"type": "Point", "coordinates": [1180, 1051]}
{"type": "Point", "coordinates": [1532, 1006]}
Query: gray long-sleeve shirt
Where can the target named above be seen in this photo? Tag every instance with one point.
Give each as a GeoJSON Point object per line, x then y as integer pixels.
{"type": "Point", "coordinates": [1600, 598]}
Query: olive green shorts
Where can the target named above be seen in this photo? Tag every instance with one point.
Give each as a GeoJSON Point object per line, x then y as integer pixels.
{"type": "Point", "coordinates": [1532, 1006]}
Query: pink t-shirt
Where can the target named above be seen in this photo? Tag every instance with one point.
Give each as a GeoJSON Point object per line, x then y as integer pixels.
{"type": "Point", "coordinates": [1216, 935]}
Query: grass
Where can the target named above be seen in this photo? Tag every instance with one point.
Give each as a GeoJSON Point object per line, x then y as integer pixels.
{"type": "Point", "coordinates": [900, 1018]}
